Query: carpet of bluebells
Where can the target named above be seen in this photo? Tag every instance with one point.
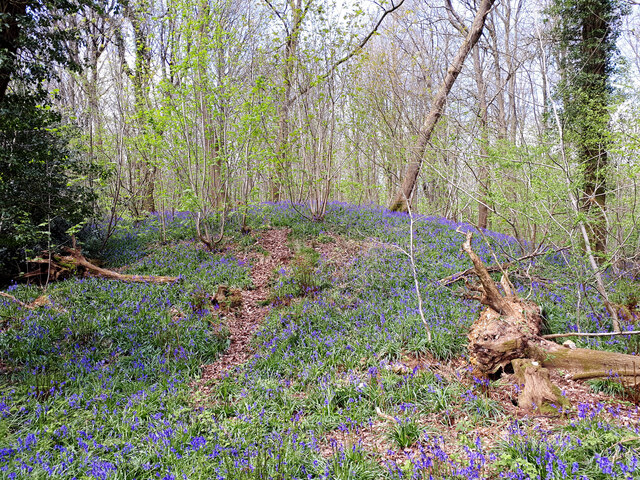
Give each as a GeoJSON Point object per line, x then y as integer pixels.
{"type": "Point", "coordinates": [99, 385]}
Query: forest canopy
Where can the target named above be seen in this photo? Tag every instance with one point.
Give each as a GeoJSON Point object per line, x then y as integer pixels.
{"type": "Point", "coordinates": [209, 106]}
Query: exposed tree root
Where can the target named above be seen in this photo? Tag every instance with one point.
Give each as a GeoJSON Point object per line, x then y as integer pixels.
{"type": "Point", "coordinates": [507, 333]}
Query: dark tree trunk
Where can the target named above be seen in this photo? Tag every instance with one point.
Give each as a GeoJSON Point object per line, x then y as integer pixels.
{"type": "Point", "coordinates": [593, 151]}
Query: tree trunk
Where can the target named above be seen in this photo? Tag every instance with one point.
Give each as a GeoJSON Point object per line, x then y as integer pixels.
{"type": "Point", "coordinates": [415, 163]}
{"type": "Point", "coordinates": [146, 172]}
{"type": "Point", "coordinates": [483, 170]}
{"type": "Point", "coordinates": [280, 175]}
{"type": "Point", "coordinates": [593, 153]}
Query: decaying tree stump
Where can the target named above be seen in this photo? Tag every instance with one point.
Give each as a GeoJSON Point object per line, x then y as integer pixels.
{"type": "Point", "coordinates": [507, 333]}
{"type": "Point", "coordinates": [537, 392]}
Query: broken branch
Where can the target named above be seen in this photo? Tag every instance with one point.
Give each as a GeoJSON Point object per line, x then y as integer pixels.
{"type": "Point", "coordinates": [76, 259]}
{"type": "Point", "coordinates": [446, 281]}
{"type": "Point", "coordinates": [600, 334]}
{"type": "Point", "coordinates": [15, 300]}
{"type": "Point", "coordinates": [491, 296]}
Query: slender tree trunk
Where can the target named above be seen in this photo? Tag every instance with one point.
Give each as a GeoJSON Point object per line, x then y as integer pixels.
{"type": "Point", "coordinates": [146, 172]}
{"type": "Point", "coordinates": [483, 171]}
{"type": "Point", "coordinates": [282, 164]}
{"type": "Point", "coordinates": [400, 202]}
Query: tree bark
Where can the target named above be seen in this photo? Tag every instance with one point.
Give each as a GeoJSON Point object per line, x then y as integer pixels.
{"type": "Point", "coordinates": [508, 333]}
{"type": "Point", "coordinates": [483, 169]}
{"type": "Point", "coordinates": [75, 259]}
{"type": "Point", "coordinates": [146, 171]}
{"type": "Point", "coordinates": [399, 203]}
{"type": "Point", "coordinates": [280, 176]}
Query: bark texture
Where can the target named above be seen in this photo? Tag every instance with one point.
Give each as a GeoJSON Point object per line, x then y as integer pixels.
{"type": "Point", "coordinates": [399, 203]}
{"type": "Point", "coordinates": [507, 332]}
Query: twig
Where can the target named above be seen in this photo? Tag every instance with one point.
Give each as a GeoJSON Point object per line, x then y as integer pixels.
{"type": "Point", "coordinates": [415, 273]}
{"type": "Point", "coordinates": [602, 334]}
{"type": "Point", "coordinates": [381, 414]}
{"type": "Point", "coordinates": [410, 255]}
{"type": "Point", "coordinates": [349, 55]}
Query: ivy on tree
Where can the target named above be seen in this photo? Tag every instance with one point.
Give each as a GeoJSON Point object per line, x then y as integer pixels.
{"type": "Point", "coordinates": [586, 32]}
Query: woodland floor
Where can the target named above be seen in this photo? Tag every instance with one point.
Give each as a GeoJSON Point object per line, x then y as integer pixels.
{"type": "Point", "coordinates": [374, 437]}
{"type": "Point", "coordinates": [243, 322]}
{"type": "Point", "coordinates": [321, 371]}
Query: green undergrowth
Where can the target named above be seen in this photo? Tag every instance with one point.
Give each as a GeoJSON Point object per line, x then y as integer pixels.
{"type": "Point", "coordinates": [341, 383]}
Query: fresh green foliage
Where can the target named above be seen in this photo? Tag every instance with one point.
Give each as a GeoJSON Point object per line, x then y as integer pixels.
{"type": "Point", "coordinates": [405, 432]}
{"type": "Point", "coordinates": [43, 181]}
{"type": "Point", "coordinates": [33, 40]}
{"type": "Point", "coordinates": [101, 384]}
{"type": "Point", "coordinates": [304, 276]}
{"type": "Point", "coordinates": [609, 386]}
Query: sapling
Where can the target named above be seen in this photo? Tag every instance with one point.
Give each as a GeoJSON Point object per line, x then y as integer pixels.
{"type": "Point", "coordinates": [410, 254]}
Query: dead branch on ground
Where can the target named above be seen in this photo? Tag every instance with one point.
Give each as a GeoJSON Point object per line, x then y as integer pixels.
{"type": "Point", "coordinates": [507, 333]}
{"type": "Point", "coordinates": [73, 263]}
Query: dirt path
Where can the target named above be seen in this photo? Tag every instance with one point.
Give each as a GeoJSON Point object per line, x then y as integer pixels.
{"type": "Point", "coordinates": [243, 323]}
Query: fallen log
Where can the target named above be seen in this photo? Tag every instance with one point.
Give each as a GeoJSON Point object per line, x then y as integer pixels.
{"type": "Point", "coordinates": [19, 302]}
{"type": "Point", "coordinates": [75, 259]}
{"type": "Point", "coordinates": [507, 335]}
